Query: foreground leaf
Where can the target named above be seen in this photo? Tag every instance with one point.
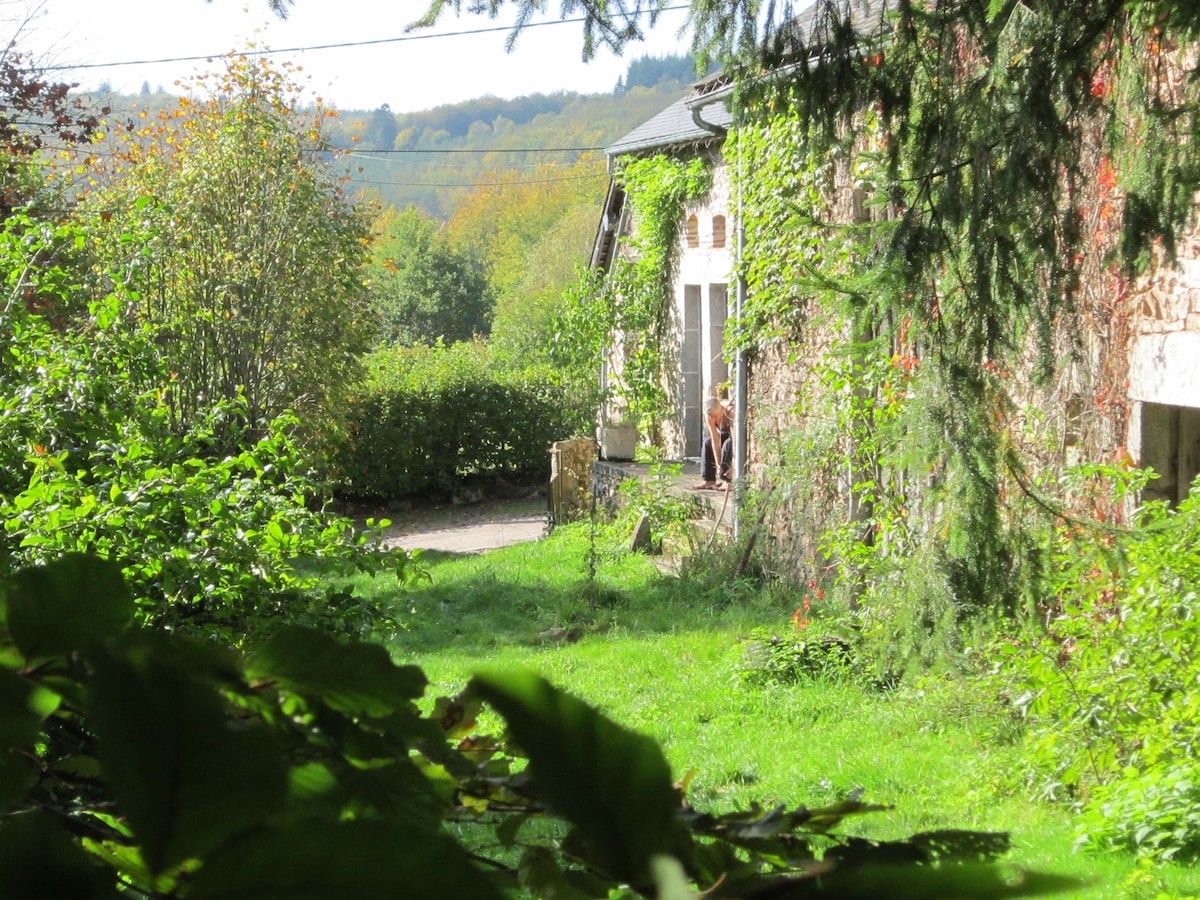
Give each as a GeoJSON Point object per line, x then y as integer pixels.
{"type": "Point", "coordinates": [19, 726]}
{"type": "Point", "coordinates": [185, 777]}
{"type": "Point", "coordinates": [38, 859]}
{"type": "Point", "coordinates": [613, 784]}
{"type": "Point", "coordinates": [354, 860]}
{"type": "Point", "coordinates": [358, 679]}
{"type": "Point", "coordinates": [67, 605]}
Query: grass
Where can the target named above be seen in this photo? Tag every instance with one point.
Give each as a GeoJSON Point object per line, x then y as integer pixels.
{"type": "Point", "coordinates": [667, 657]}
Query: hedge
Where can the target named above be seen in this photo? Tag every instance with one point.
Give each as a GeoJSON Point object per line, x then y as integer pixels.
{"type": "Point", "coordinates": [430, 419]}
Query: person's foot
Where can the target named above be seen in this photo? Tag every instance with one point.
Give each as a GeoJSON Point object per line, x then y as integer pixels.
{"type": "Point", "coordinates": [705, 486]}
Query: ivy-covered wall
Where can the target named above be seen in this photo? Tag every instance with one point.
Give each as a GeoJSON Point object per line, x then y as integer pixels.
{"type": "Point", "coordinates": [639, 301]}
{"type": "Point", "coordinates": [940, 324]}
{"type": "Point", "coordinates": [957, 254]}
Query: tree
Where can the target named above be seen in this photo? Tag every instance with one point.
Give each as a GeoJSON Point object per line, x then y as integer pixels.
{"type": "Point", "coordinates": [422, 289]}
{"type": "Point", "coordinates": [382, 130]}
{"type": "Point", "coordinates": [246, 255]}
{"type": "Point", "coordinates": [34, 112]}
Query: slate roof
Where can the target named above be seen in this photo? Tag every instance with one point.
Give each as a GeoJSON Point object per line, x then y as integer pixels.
{"type": "Point", "coordinates": [675, 126]}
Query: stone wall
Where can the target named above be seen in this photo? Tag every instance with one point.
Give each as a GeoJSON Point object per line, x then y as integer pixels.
{"type": "Point", "coordinates": [1164, 370]}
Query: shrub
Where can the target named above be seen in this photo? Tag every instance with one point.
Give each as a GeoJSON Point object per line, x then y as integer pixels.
{"type": "Point", "coordinates": [218, 546]}
{"type": "Point", "coordinates": [790, 658]}
{"type": "Point", "coordinates": [1112, 687]}
{"type": "Point", "coordinates": [430, 418]}
{"type": "Point", "coordinates": [94, 461]}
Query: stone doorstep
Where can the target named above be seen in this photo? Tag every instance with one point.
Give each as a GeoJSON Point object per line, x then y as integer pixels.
{"type": "Point", "coordinates": [678, 556]}
{"type": "Point", "coordinates": [717, 505]}
{"type": "Point", "coordinates": [703, 531]}
{"type": "Point", "coordinates": [714, 509]}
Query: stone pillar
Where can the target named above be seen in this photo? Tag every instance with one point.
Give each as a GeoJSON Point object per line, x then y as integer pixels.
{"type": "Point", "coordinates": [570, 477]}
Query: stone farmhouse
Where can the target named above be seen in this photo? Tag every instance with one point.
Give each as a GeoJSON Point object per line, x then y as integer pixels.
{"type": "Point", "coordinates": [1125, 387]}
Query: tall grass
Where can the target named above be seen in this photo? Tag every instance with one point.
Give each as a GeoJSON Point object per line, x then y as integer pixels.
{"type": "Point", "coordinates": [668, 656]}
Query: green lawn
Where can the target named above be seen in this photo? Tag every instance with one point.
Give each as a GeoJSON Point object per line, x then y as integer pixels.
{"type": "Point", "coordinates": [666, 657]}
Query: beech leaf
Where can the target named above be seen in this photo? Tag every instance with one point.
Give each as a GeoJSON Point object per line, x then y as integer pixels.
{"type": "Point", "coordinates": [350, 860]}
{"type": "Point", "coordinates": [67, 605]}
{"type": "Point", "coordinates": [358, 679]}
{"type": "Point", "coordinates": [613, 784]}
{"type": "Point", "coordinates": [185, 776]}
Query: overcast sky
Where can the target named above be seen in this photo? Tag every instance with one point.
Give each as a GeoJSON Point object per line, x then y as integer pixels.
{"type": "Point", "coordinates": [383, 65]}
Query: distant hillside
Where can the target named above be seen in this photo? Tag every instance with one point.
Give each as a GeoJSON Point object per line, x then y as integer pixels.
{"type": "Point", "coordinates": [433, 159]}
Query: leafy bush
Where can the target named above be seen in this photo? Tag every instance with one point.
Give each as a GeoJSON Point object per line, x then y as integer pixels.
{"type": "Point", "coordinates": [141, 762]}
{"type": "Point", "coordinates": [214, 546]}
{"type": "Point", "coordinates": [431, 417]}
{"type": "Point", "coordinates": [783, 659]}
{"type": "Point", "coordinates": [1112, 687]}
{"type": "Point", "coordinates": [93, 460]}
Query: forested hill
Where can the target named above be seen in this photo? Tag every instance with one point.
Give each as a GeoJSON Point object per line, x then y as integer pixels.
{"type": "Point", "coordinates": [433, 159]}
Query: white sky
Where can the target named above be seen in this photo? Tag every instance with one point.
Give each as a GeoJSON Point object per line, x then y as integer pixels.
{"type": "Point", "coordinates": [408, 75]}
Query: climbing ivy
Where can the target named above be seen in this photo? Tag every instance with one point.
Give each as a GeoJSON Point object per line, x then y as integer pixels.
{"type": "Point", "coordinates": [962, 187]}
{"type": "Point", "coordinates": [636, 300]}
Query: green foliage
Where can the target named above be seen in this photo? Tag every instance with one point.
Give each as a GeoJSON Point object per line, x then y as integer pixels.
{"type": "Point", "coordinates": [634, 301]}
{"type": "Point", "coordinates": [137, 747]}
{"type": "Point", "coordinates": [653, 496]}
{"type": "Point", "coordinates": [423, 290]}
{"type": "Point", "coordinates": [65, 370]}
{"type": "Point", "coordinates": [534, 228]}
{"type": "Point", "coordinates": [214, 542]}
{"type": "Point", "coordinates": [244, 253]}
{"type": "Point", "coordinates": [525, 328]}
{"type": "Point", "coordinates": [218, 546]}
{"type": "Point", "coordinates": [799, 656]}
{"type": "Point", "coordinates": [431, 417]}
{"type": "Point", "coordinates": [1110, 687]}
{"type": "Point", "coordinates": [143, 761]}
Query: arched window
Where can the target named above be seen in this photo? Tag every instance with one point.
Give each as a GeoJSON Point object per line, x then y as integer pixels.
{"type": "Point", "coordinates": [718, 232]}
{"type": "Point", "coordinates": [693, 232]}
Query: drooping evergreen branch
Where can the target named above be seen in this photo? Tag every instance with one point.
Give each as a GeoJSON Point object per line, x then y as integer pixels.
{"type": "Point", "coordinates": [1022, 156]}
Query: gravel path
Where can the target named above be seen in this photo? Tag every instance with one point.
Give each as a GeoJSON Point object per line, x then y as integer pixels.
{"type": "Point", "coordinates": [467, 529]}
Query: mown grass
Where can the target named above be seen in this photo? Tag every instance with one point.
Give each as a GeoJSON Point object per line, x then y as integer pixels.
{"type": "Point", "coordinates": [668, 657]}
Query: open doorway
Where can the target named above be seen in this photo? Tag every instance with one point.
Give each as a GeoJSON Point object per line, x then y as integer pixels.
{"type": "Point", "coordinates": [1170, 445]}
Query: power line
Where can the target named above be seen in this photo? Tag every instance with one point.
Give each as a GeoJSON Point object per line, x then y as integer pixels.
{"type": "Point", "coordinates": [474, 184]}
{"type": "Point", "coordinates": [339, 46]}
{"type": "Point", "coordinates": [456, 167]}
{"type": "Point", "coordinates": [340, 153]}
{"type": "Point", "coordinates": [357, 151]}
{"type": "Point", "coordinates": [95, 153]}
{"type": "Point", "coordinates": [427, 159]}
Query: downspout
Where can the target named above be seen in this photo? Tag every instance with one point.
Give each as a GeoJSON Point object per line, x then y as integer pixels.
{"type": "Point", "coordinates": [741, 381]}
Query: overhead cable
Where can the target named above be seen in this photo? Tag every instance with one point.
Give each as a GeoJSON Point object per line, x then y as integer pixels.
{"type": "Point", "coordinates": [339, 46]}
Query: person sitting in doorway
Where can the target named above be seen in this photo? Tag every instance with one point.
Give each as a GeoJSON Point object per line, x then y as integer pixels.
{"type": "Point", "coordinates": [716, 456]}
